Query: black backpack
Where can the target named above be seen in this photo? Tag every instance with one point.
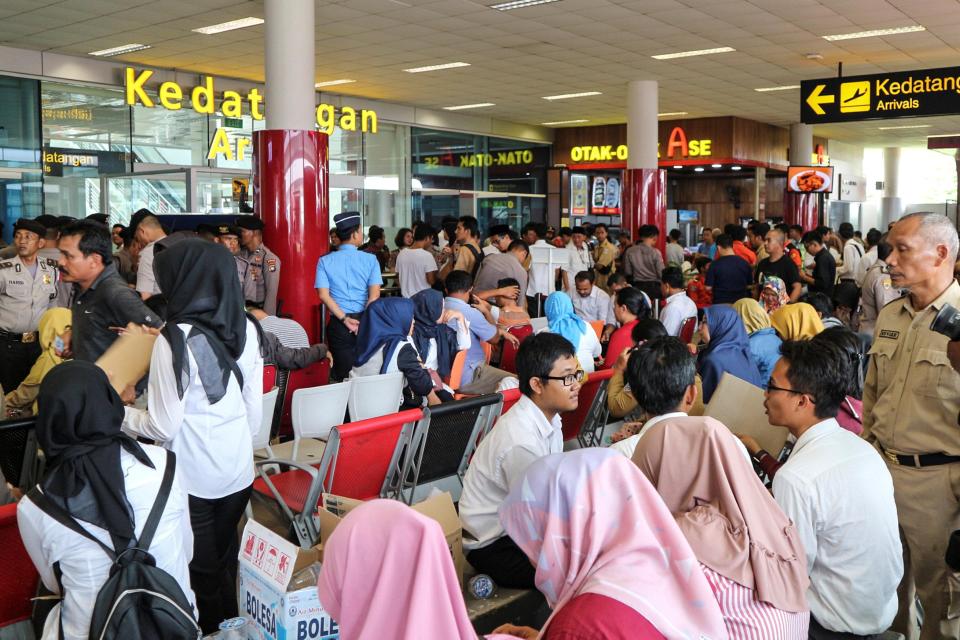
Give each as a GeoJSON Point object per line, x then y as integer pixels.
{"type": "Point", "coordinates": [139, 601]}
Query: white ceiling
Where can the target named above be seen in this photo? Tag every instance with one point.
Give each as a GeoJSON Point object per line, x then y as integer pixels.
{"type": "Point", "coordinates": [519, 56]}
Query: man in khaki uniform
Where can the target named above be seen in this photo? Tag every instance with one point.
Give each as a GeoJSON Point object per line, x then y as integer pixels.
{"type": "Point", "coordinates": [263, 274]}
{"type": "Point", "coordinates": [604, 257]}
{"type": "Point", "coordinates": [28, 287]}
{"type": "Point", "coordinates": [911, 400]}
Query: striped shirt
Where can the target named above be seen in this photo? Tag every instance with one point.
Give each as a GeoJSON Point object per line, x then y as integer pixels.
{"type": "Point", "coordinates": [749, 619]}
{"type": "Point", "coordinates": [289, 332]}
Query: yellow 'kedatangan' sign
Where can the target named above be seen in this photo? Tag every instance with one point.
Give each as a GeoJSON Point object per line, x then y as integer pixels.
{"type": "Point", "coordinates": [203, 99]}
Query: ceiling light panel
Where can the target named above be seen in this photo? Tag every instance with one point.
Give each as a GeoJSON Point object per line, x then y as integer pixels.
{"type": "Point", "coordinates": [559, 122]}
{"type": "Point", "coordinates": [438, 67]}
{"type": "Point", "coordinates": [519, 4]}
{"type": "Point", "coordinates": [229, 26]}
{"type": "Point", "coordinates": [690, 54]}
{"type": "Point", "coordinates": [875, 33]}
{"type": "Point", "coordinates": [477, 105]}
{"type": "Point", "coordinates": [115, 51]}
{"type": "Point", "coordinates": [565, 96]}
{"type": "Point", "coordinates": [785, 87]}
{"type": "Point", "coordinates": [333, 83]}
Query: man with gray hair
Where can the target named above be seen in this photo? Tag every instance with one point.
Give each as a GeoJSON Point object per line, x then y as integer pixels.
{"type": "Point", "coordinates": [911, 400]}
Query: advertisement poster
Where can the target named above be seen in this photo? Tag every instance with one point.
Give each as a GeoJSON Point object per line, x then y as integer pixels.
{"type": "Point", "coordinates": [611, 200]}
{"type": "Point", "coordinates": [599, 195]}
{"type": "Point", "coordinates": [579, 184]}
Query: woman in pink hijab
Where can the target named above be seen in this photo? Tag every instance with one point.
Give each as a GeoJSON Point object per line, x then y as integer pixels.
{"type": "Point", "coordinates": [747, 547]}
{"type": "Point", "coordinates": [387, 574]}
{"type": "Point", "coordinates": [609, 556]}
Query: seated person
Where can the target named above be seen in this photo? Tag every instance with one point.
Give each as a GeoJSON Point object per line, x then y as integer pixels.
{"type": "Point", "coordinates": [610, 558]}
{"type": "Point", "coordinates": [384, 345]}
{"type": "Point", "coordinates": [105, 481]}
{"type": "Point", "coordinates": [850, 413]}
{"type": "Point", "coordinates": [615, 282]}
{"type": "Point", "coordinates": [763, 339]}
{"type": "Point", "coordinates": [676, 307]}
{"type": "Point", "coordinates": [620, 400]}
{"type": "Point", "coordinates": [797, 321]}
{"type": "Point", "coordinates": [54, 331]}
{"type": "Point", "coordinates": [387, 573]}
{"type": "Point", "coordinates": [505, 309]}
{"type": "Point", "coordinates": [746, 546]}
{"type": "Point", "coordinates": [550, 379]}
{"type": "Point", "coordinates": [630, 307]}
{"type": "Point", "coordinates": [824, 307]}
{"type": "Point", "coordinates": [837, 490]}
{"type": "Point", "coordinates": [591, 302]}
{"type": "Point", "coordinates": [562, 320]}
{"type": "Point", "coordinates": [697, 289]}
{"type": "Point", "coordinates": [436, 341]}
{"type": "Point", "coordinates": [727, 350]}
{"type": "Point", "coordinates": [773, 294]}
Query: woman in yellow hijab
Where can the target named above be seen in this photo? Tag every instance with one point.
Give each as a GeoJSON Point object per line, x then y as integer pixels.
{"type": "Point", "coordinates": [764, 342]}
{"type": "Point", "coordinates": [797, 321]}
{"type": "Point", "coordinates": [54, 341]}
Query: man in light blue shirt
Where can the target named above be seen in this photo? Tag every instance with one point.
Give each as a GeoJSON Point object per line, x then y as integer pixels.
{"type": "Point", "coordinates": [347, 281]}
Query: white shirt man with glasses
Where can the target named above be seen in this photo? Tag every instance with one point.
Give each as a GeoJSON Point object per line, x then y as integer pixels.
{"type": "Point", "coordinates": [550, 379]}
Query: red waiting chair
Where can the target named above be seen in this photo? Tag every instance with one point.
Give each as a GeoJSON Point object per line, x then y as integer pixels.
{"type": "Point", "coordinates": [586, 422]}
{"type": "Point", "coordinates": [508, 358]}
{"type": "Point", "coordinates": [362, 460]}
{"type": "Point", "coordinates": [269, 377]}
{"type": "Point", "coordinates": [18, 580]}
{"type": "Point", "coordinates": [687, 328]}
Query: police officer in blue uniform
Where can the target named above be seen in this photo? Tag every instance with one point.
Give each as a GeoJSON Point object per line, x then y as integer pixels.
{"type": "Point", "coordinates": [347, 281]}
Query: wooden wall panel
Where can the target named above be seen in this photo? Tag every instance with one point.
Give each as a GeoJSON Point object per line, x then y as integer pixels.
{"type": "Point", "coordinates": [711, 197]}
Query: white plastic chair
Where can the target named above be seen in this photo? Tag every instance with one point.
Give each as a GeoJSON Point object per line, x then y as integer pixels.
{"type": "Point", "coordinates": [261, 440]}
{"type": "Point", "coordinates": [317, 410]}
{"type": "Point", "coordinates": [375, 396]}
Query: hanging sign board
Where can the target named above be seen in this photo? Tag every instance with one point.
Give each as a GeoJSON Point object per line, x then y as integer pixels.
{"type": "Point", "coordinates": [928, 92]}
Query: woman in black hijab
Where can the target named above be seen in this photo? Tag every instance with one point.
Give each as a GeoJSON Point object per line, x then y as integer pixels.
{"type": "Point", "coordinates": [204, 402]}
{"type": "Point", "coordinates": [101, 477]}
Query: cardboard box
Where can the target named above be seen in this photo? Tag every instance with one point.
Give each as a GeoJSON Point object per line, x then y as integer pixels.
{"type": "Point", "coordinates": [739, 405]}
{"type": "Point", "coordinates": [279, 610]}
{"type": "Point", "coordinates": [128, 358]}
{"type": "Point", "coordinates": [439, 507]}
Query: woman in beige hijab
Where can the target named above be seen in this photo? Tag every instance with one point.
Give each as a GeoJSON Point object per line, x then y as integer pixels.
{"type": "Point", "coordinates": [747, 548]}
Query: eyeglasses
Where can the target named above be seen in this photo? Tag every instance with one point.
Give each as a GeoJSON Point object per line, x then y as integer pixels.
{"type": "Point", "coordinates": [773, 387]}
{"type": "Point", "coordinates": [568, 379]}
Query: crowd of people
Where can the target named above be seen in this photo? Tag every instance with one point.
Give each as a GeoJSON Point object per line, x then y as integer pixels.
{"type": "Point", "coordinates": [678, 529]}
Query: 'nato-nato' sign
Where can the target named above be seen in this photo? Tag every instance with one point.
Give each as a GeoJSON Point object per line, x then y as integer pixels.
{"type": "Point", "coordinates": [928, 92]}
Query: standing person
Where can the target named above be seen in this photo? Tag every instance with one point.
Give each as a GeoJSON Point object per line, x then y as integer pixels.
{"type": "Point", "coordinates": [824, 273]}
{"type": "Point", "coordinates": [604, 256]}
{"type": "Point", "coordinates": [376, 245]}
{"type": "Point", "coordinates": [835, 488]}
{"type": "Point", "coordinates": [739, 236]}
{"type": "Point", "coordinates": [600, 537]}
{"type": "Point", "coordinates": [229, 236]}
{"type": "Point", "coordinates": [204, 402]}
{"type": "Point", "coordinates": [910, 402]}
{"type": "Point", "coordinates": [105, 481]}
{"type": "Point", "coordinates": [674, 250]}
{"type": "Point", "coordinates": [643, 263]}
{"type": "Point", "coordinates": [28, 287]}
{"type": "Point", "coordinates": [729, 276]}
{"type": "Point", "coordinates": [579, 258]}
{"type": "Point", "coordinates": [697, 287]}
{"type": "Point", "coordinates": [467, 256]}
{"type": "Point", "coordinates": [125, 259]}
{"type": "Point", "coordinates": [402, 240]}
{"type": "Point", "coordinates": [677, 307]}
{"type": "Point", "coordinates": [727, 351]}
{"type": "Point", "coordinates": [746, 546]}
{"type": "Point", "coordinates": [116, 236]}
{"type": "Point", "coordinates": [541, 282]}
{"type": "Point", "coordinates": [498, 240]}
{"type": "Point", "coordinates": [347, 281]}
{"type": "Point", "coordinates": [850, 269]}
{"type": "Point", "coordinates": [590, 301]}
{"type": "Point", "coordinates": [778, 264]}
{"type": "Point", "coordinates": [795, 235]}
{"type": "Point", "coordinates": [550, 379]}
{"type": "Point", "coordinates": [878, 289]}
{"type": "Point", "coordinates": [624, 242]}
{"type": "Point", "coordinates": [873, 241]}
{"type": "Point", "coordinates": [263, 275]}
{"type": "Point", "coordinates": [707, 247]}
{"type": "Point", "coordinates": [147, 230]}
{"type": "Point", "coordinates": [500, 266]}
{"type": "Point", "coordinates": [629, 307]}
{"type": "Point", "coordinates": [562, 320]}
{"type": "Point", "coordinates": [757, 237]}
{"type": "Point", "coordinates": [102, 301]}
{"type": "Point", "coordinates": [416, 269]}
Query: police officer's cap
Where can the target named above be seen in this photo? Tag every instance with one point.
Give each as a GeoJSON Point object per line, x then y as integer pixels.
{"type": "Point", "coordinates": [347, 220]}
{"type": "Point", "coordinates": [30, 225]}
{"type": "Point", "coordinates": [228, 230]}
{"type": "Point", "coordinates": [250, 223]}
{"type": "Point", "coordinates": [48, 221]}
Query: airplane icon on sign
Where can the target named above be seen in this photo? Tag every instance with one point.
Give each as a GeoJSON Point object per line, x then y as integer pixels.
{"type": "Point", "coordinates": [859, 94]}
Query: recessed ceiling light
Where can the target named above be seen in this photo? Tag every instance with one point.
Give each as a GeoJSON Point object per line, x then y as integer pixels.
{"type": "Point", "coordinates": [735, 167]}
{"type": "Point", "coordinates": [519, 4]}
{"type": "Point", "coordinates": [332, 83]}
{"type": "Point", "coordinates": [716, 166]}
{"type": "Point", "coordinates": [564, 96]}
{"type": "Point", "coordinates": [689, 54]}
{"type": "Point", "coordinates": [875, 32]}
{"type": "Point", "coordinates": [438, 67]}
{"type": "Point", "coordinates": [678, 166]}
{"type": "Point", "coordinates": [115, 51]}
{"type": "Point", "coordinates": [905, 126]}
{"type": "Point", "coordinates": [698, 169]}
{"type": "Point", "coordinates": [666, 114]}
{"type": "Point", "coordinates": [944, 135]}
{"type": "Point", "coordinates": [558, 122]}
{"type": "Point", "coordinates": [229, 26]}
{"type": "Point", "coordinates": [785, 87]}
{"type": "Point", "coordinates": [469, 106]}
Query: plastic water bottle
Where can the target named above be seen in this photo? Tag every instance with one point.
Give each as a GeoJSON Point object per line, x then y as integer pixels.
{"type": "Point", "coordinates": [482, 586]}
{"type": "Point", "coordinates": [233, 629]}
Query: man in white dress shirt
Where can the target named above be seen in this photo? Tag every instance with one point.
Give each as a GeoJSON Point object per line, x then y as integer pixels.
{"type": "Point", "coordinates": [541, 282]}
{"type": "Point", "coordinates": [677, 307]}
{"type": "Point", "coordinates": [579, 258]}
{"type": "Point", "coordinates": [550, 380]}
{"type": "Point", "coordinates": [839, 494]}
{"type": "Point", "coordinates": [591, 302]}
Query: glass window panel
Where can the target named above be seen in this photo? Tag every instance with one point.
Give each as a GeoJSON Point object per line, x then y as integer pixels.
{"type": "Point", "coordinates": [21, 193]}
{"type": "Point", "coordinates": [164, 137]}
